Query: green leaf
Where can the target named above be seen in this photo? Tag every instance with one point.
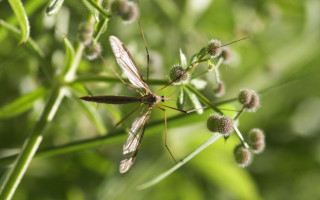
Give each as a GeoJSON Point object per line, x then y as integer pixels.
{"type": "Point", "coordinates": [54, 7]}
{"type": "Point", "coordinates": [91, 9]}
{"type": "Point", "coordinates": [197, 56]}
{"type": "Point", "coordinates": [30, 8]}
{"type": "Point", "coordinates": [194, 100]}
{"type": "Point", "coordinates": [94, 116]}
{"type": "Point", "coordinates": [22, 17]}
{"type": "Point", "coordinates": [69, 56]}
{"type": "Point", "coordinates": [96, 6]}
{"type": "Point", "coordinates": [181, 98]}
{"type": "Point", "coordinates": [30, 42]}
{"type": "Point", "coordinates": [102, 27]}
{"type": "Point", "coordinates": [22, 104]}
{"type": "Point", "coordinates": [202, 52]}
{"type": "Point", "coordinates": [183, 59]}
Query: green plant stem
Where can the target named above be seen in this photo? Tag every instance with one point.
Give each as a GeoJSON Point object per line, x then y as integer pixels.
{"type": "Point", "coordinates": [162, 176]}
{"type": "Point", "coordinates": [101, 11]}
{"type": "Point", "coordinates": [203, 98]}
{"type": "Point", "coordinates": [31, 145]}
{"type": "Point", "coordinates": [97, 78]}
{"type": "Point", "coordinates": [90, 143]}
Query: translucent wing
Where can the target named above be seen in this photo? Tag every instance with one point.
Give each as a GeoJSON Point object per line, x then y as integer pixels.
{"type": "Point", "coordinates": [132, 145]}
{"type": "Point", "coordinates": [127, 64]}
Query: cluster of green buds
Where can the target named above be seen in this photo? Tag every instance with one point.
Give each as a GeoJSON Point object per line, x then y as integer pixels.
{"type": "Point", "coordinates": [180, 75]}
{"type": "Point", "coordinates": [225, 125]}
{"type": "Point", "coordinates": [243, 155]}
{"type": "Point", "coordinates": [127, 10]}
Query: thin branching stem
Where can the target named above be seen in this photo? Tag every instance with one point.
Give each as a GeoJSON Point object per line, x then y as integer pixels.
{"type": "Point", "coordinates": [32, 143]}
{"type": "Point", "coordinates": [165, 174]}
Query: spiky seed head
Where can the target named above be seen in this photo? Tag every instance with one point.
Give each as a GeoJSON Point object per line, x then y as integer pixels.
{"type": "Point", "coordinates": [220, 90]}
{"type": "Point", "coordinates": [256, 141]}
{"type": "Point", "coordinates": [256, 135]}
{"type": "Point", "coordinates": [85, 33]}
{"type": "Point", "coordinates": [258, 147]}
{"type": "Point", "coordinates": [214, 48]}
{"type": "Point", "coordinates": [254, 102]}
{"type": "Point", "coordinates": [92, 51]}
{"type": "Point", "coordinates": [242, 155]}
{"type": "Point", "coordinates": [226, 54]}
{"type": "Point", "coordinates": [220, 124]}
{"type": "Point", "coordinates": [245, 96]}
{"type": "Point", "coordinates": [119, 7]}
{"type": "Point", "coordinates": [177, 71]}
{"type": "Point", "coordinates": [132, 13]}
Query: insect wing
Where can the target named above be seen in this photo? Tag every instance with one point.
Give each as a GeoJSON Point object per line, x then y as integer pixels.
{"type": "Point", "coordinates": [126, 63]}
{"type": "Point", "coordinates": [132, 145]}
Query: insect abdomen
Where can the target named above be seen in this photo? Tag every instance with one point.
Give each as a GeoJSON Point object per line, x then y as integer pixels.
{"type": "Point", "coordinates": [112, 99]}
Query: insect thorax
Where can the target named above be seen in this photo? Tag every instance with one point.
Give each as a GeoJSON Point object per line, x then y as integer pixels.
{"type": "Point", "coordinates": [151, 99]}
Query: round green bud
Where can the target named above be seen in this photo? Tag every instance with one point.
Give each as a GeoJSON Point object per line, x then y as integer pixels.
{"type": "Point", "coordinates": [245, 96]}
{"type": "Point", "coordinates": [132, 13]}
{"type": "Point", "coordinates": [220, 90]}
{"type": "Point", "coordinates": [226, 54]}
{"type": "Point", "coordinates": [177, 71]}
{"type": "Point", "coordinates": [256, 139]}
{"type": "Point", "coordinates": [258, 147]}
{"type": "Point", "coordinates": [214, 48]}
{"type": "Point", "coordinates": [120, 7]}
{"type": "Point", "coordinates": [256, 135]}
{"type": "Point", "coordinates": [92, 51]}
{"type": "Point", "coordinates": [242, 155]}
{"type": "Point", "coordinates": [220, 124]}
{"type": "Point", "coordinates": [85, 33]}
{"type": "Point", "coordinates": [254, 102]}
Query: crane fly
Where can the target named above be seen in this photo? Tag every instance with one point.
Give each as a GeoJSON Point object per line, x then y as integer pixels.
{"type": "Point", "coordinates": [147, 98]}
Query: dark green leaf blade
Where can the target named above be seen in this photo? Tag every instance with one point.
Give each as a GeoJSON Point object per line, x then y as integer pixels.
{"type": "Point", "coordinates": [22, 103]}
{"type": "Point", "coordinates": [22, 17]}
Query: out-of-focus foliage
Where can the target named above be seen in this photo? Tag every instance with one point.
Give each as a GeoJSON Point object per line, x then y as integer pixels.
{"type": "Point", "coordinates": [283, 52]}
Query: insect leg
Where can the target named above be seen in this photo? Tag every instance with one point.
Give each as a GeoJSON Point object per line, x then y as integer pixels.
{"type": "Point", "coordinates": [165, 131]}
{"type": "Point", "coordinates": [145, 43]}
{"type": "Point", "coordinates": [184, 111]}
{"type": "Point", "coordinates": [134, 110]}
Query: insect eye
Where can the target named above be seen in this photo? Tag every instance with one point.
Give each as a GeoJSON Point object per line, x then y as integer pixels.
{"type": "Point", "coordinates": [162, 98]}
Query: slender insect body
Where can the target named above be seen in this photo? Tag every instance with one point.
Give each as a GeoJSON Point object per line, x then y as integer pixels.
{"type": "Point", "coordinates": [136, 132]}
{"type": "Point", "coordinates": [112, 99]}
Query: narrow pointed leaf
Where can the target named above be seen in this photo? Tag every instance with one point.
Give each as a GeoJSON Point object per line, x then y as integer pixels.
{"type": "Point", "coordinates": [22, 17]}
{"type": "Point", "coordinates": [54, 7]}
{"type": "Point", "coordinates": [91, 9]}
{"type": "Point", "coordinates": [93, 114]}
{"type": "Point", "coordinates": [100, 10]}
{"type": "Point", "coordinates": [194, 100]}
{"type": "Point", "coordinates": [22, 103]}
{"type": "Point", "coordinates": [183, 59]}
{"type": "Point", "coordinates": [16, 32]}
{"type": "Point", "coordinates": [69, 56]}
{"type": "Point", "coordinates": [181, 98]}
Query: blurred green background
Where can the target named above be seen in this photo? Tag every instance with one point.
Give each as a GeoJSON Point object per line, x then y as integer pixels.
{"type": "Point", "coordinates": [283, 52]}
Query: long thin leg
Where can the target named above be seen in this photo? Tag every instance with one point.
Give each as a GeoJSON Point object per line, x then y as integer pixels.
{"type": "Point", "coordinates": [165, 132]}
{"type": "Point", "coordinates": [134, 110]}
{"type": "Point", "coordinates": [184, 111]}
{"type": "Point", "coordinates": [145, 43]}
